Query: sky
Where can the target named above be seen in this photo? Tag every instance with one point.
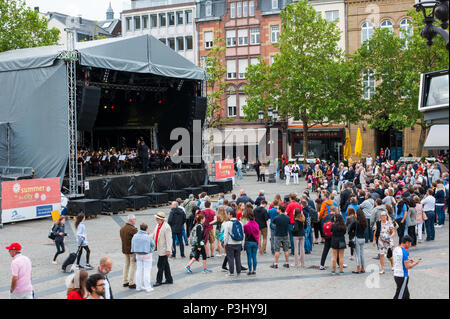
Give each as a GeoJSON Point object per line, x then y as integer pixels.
{"type": "Point", "coordinates": [88, 9]}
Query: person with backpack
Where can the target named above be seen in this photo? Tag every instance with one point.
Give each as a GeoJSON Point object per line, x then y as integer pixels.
{"type": "Point", "coordinates": [327, 224]}
{"type": "Point", "coordinates": [58, 235]}
{"type": "Point", "coordinates": [281, 223]}
{"type": "Point", "coordinates": [251, 232]}
{"type": "Point", "coordinates": [233, 237]}
{"type": "Point", "coordinates": [338, 243]}
{"type": "Point", "coordinates": [293, 204]}
{"type": "Point", "coordinates": [357, 235]}
{"type": "Point", "coordinates": [197, 244]}
{"type": "Point", "coordinates": [298, 231]}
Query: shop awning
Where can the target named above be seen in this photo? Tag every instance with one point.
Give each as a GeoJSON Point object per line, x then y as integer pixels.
{"type": "Point", "coordinates": [437, 138]}
{"type": "Point", "coordinates": [235, 137]}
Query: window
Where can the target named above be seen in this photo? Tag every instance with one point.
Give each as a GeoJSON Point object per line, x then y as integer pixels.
{"type": "Point", "coordinates": [208, 9]}
{"type": "Point", "coordinates": [254, 36]}
{"type": "Point", "coordinates": [231, 105]}
{"type": "Point", "coordinates": [366, 31]}
{"type": "Point", "coordinates": [171, 43]}
{"type": "Point", "coordinates": [163, 40]}
{"type": "Point", "coordinates": [231, 38]}
{"type": "Point", "coordinates": [189, 17]}
{"type": "Point", "coordinates": [233, 10]}
{"type": "Point", "coordinates": [254, 61]}
{"type": "Point", "coordinates": [180, 44]}
{"type": "Point", "coordinates": [189, 43]}
{"type": "Point", "coordinates": [239, 9]}
{"type": "Point", "coordinates": [251, 8]}
{"type": "Point", "coordinates": [243, 65]}
{"type": "Point", "coordinates": [332, 15]}
{"type": "Point", "coordinates": [162, 19]}
{"type": "Point", "coordinates": [274, 4]}
{"type": "Point", "coordinates": [171, 18]}
{"type": "Point", "coordinates": [242, 103]}
{"type": "Point", "coordinates": [243, 37]}
{"type": "Point", "coordinates": [128, 23]}
{"type": "Point", "coordinates": [245, 9]}
{"type": "Point", "coordinates": [180, 17]}
{"type": "Point", "coordinates": [231, 69]}
{"type": "Point", "coordinates": [137, 23]}
{"type": "Point", "coordinates": [153, 21]}
{"type": "Point", "coordinates": [145, 22]}
{"type": "Point", "coordinates": [272, 59]}
{"type": "Point", "coordinates": [274, 33]}
{"type": "Point", "coordinates": [208, 40]}
{"type": "Point", "coordinates": [406, 30]}
{"type": "Point", "coordinates": [368, 84]}
{"type": "Point", "coordinates": [386, 24]}
{"type": "Point", "coordinates": [204, 62]}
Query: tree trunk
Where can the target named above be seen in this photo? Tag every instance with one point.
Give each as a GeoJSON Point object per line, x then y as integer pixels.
{"type": "Point", "coordinates": [423, 132]}
{"type": "Point", "coordinates": [305, 138]}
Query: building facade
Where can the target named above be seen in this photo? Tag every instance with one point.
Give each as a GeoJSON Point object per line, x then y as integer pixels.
{"type": "Point", "coordinates": [170, 21]}
{"type": "Point", "coordinates": [363, 17]}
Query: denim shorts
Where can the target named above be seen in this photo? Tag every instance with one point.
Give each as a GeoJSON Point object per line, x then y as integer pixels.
{"type": "Point", "coordinates": [281, 242]}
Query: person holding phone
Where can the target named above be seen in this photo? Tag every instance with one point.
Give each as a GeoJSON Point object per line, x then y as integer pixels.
{"type": "Point", "coordinates": [402, 264]}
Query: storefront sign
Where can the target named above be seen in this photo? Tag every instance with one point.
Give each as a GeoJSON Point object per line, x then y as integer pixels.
{"type": "Point", "coordinates": [318, 135]}
{"type": "Point", "coordinates": [30, 199]}
{"type": "Point", "coordinates": [224, 169]}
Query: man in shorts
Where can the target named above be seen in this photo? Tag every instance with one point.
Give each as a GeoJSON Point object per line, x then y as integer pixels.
{"type": "Point", "coordinates": [210, 219]}
{"type": "Point", "coordinates": [281, 223]}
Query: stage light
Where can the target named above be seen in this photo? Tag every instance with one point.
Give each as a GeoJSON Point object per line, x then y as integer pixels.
{"type": "Point", "coordinates": [159, 101]}
{"type": "Point", "coordinates": [131, 100]}
{"type": "Point", "coordinates": [105, 107]}
{"type": "Point", "coordinates": [112, 107]}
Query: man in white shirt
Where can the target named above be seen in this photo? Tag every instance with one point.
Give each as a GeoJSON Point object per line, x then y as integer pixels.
{"type": "Point", "coordinates": [428, 203]}
{"type": "Point", "coordinates": [287, 173]}
{"type": "Point", "coordinates": [369, 160]}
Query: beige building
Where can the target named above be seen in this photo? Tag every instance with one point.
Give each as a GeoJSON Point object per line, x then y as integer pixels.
{"type": "Point", "coordinates": [363, 16]}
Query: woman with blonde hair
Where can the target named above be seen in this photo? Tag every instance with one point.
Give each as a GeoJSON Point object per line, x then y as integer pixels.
{"type": "Point", "coordinates": [386, 231]}
{"type": "Point", "coordinates": [221, 218]}
{"type": "Point", "coordinates": [76, 287]}
{"type": "Point", "coordinates": [246, 213]}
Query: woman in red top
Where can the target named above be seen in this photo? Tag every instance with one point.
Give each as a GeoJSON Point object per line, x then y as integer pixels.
{"type": "Point", "coordinates": [240, 211]}
{"type": "Point", "coordinates": [77, 286]}
{"type": "Point", "coordinates": [278, 198]}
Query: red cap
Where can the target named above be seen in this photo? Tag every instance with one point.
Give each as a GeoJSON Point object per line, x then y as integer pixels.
{"type": "Point", "coordinates": [14, 246]}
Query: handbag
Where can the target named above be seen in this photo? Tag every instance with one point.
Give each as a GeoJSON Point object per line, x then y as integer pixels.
{"type": "Point", "coordinates": [424, 216]}
{"type": "Point", "coordinates": [352, 242]}
{"type": "Point", "coordinates": [51, 234]}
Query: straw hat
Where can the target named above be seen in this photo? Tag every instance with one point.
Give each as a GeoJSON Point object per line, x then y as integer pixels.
{"type": "Point", "coordinates": [161, 215]}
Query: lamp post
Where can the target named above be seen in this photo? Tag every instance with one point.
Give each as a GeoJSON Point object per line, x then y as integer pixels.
{"type": "Point", "coordinates": [269, 123]}
{"type": "Point", "coordinates": [440, 11]}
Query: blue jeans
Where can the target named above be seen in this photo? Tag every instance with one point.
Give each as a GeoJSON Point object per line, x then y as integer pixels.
{"type": "Point", "coordinates": [180, 240]}
{"type": "Point", "coordinates": [291, 238]}
{"type": "Point", "coordinates": [429, 225]}
{"type": "Point", "coordinates": [183, 232]}
{"type": "Point", "coordinates": [251, 248]}
{"type": "Point", "coordinates": [272, 236]}
{"type": "Point", "coordinates": [64, 212]}
{"type": "Point", "coordinates": [308, 239]}
{"type": "Point", "coordinates": [239, 173]}
{"type": "Point", "coordinates": [440, 211]}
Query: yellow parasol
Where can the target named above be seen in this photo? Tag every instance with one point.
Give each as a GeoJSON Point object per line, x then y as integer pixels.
{"type": "Point", "coordinates": [358, 144]}
{"type": "Point", "coordinates": [347, 145]}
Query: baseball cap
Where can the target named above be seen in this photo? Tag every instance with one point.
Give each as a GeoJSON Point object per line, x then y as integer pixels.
{"type": "Point", "coordinates": [398, 196]}
{"type": "Point", "coordinates": [14, 246]}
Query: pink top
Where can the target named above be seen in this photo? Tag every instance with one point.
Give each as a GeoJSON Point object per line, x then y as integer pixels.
{"type": "Point", "coordinates": [419, 211]}
{"type": "Point", "coordinates": [21, 268]}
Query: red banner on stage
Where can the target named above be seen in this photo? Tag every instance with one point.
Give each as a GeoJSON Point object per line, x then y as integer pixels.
{"type": "Point", "coordinates": [30, 192]}
{"type": "Point", "coordinates": [224, 169]}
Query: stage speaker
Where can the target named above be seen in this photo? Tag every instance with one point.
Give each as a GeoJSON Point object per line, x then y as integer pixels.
{"type": "Point", "coordinates": [90, 102]}
{"type": "Point", "coordinates": [200, 105]}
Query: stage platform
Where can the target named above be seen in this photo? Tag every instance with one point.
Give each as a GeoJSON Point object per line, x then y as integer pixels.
{"type": "Point", "coordinates": [120, 186]}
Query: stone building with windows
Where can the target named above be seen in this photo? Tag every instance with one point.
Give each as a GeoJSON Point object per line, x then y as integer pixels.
{"type": "Point", "coordinates": [170, 21]}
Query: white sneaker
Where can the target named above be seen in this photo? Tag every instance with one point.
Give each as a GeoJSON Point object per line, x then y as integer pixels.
{"type": "Point", "coordinates": [149, 290]}
{"type": "Point", "coordinates": [138, 289]}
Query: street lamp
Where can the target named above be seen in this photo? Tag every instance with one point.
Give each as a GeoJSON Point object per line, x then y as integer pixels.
{"type": "Point", "coordinates": [270, 122]}
{"type": "Point", "coordinates": [440, 11]}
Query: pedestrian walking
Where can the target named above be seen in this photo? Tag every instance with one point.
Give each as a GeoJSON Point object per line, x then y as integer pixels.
{"type": "Point", "coordinates": [402, 264]}
{"type": "Point", "coordinates": [357, 234]}
{"type": "Point", "coordinates": [281, 223]}
{"type": "Point", "coordinates": [384, 230]}
{"type": "Point", "coordinates": [82, 241]}
{"type": "Point", "coordinates": [95, 285]}
{"type": "Point", "coordinates": [59, 233]}
{"type": "Point", "coordinates": [142, 244]}
{"type": "Point", "coordinates": [233, 237]}
{"type": "Point", "coordinates": [251, 232]}
{"type": "Point", "coordinates": [298, 232]}
{"type": "Point", "coordinates": [163, 245]}
{"type": "Point", "coordinates": [104, 268]}
{"type": "Point", "coordinates": [177, 218]}
{"type": "Point", "coordinates": [127, 232]}
{"type": "Point", "coordinates": [198, 244]}
{"type": "Point", "coordinates": [21, 287]}
{"type": "Point", "coordinates": [77, 285]}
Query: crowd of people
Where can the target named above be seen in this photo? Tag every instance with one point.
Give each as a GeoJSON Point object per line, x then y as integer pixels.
{"type": "Point", "coordinates": [370, 201]}
{"type": "Point", "coordinates": [127, 160]}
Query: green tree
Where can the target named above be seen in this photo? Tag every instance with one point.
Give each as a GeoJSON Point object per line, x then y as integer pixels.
{"type": "Point", "coordinates": [397, 63]}
{"type": "Point", "coordinates": [310, 79]}
{"type": "Point", "coordinates": [21, 27]}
